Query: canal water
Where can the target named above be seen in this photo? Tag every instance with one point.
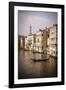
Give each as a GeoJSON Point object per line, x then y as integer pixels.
{"type": "Point", "coordinates": [32, 65]}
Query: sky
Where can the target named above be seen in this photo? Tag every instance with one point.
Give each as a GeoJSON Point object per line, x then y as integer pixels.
{"type": "Point", "coordinates": [37, 19]}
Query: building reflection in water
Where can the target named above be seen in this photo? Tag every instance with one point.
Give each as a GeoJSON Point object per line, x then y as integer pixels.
{"type": "Point", "coordinates": [28, 68]}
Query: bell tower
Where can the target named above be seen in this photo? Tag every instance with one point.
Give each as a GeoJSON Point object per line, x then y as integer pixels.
{"type": "Point", "coordinates": [30, 32]}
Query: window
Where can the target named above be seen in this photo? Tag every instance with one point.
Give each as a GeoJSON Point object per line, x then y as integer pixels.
{"type": "Point", "coordinates": [38, 40]}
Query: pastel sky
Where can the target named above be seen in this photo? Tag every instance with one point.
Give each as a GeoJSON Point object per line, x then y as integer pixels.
{"type": "Point", "coordinates": [37, 19]}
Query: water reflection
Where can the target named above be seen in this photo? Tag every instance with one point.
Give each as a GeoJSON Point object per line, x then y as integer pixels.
{"type": "Point", "coordinates": [28, 68]}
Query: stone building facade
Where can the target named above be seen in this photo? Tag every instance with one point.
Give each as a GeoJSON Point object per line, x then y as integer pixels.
{"type": "Point", "coordinates": [53, 40]}
{"type": "Point", "coordinates": [21, 41]}
{"type": "Point", "coordinates": [41, 41]}
{"type": "Point", "coordinates": [29, 42]}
